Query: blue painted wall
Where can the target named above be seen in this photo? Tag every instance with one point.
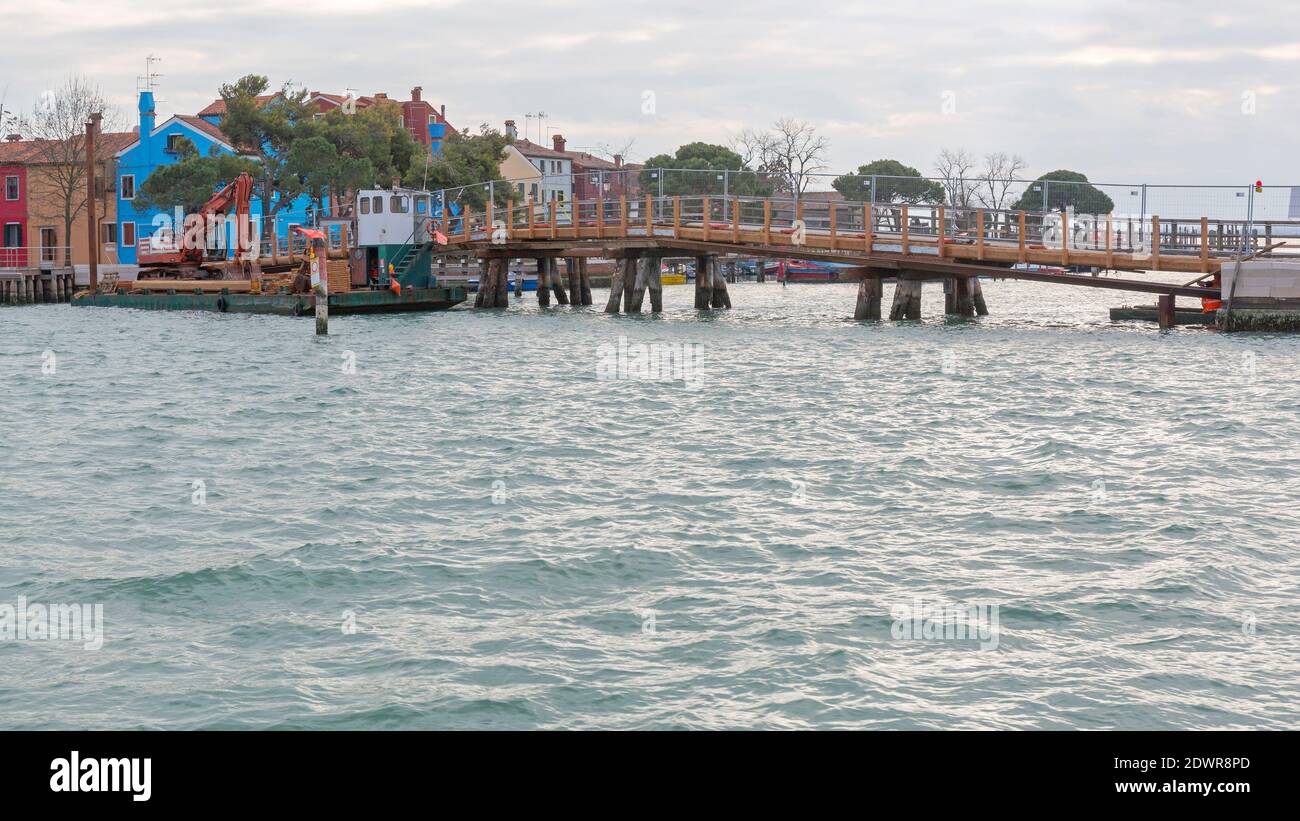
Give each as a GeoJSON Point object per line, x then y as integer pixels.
{"type": "Point", "coordinates": [150, 152]}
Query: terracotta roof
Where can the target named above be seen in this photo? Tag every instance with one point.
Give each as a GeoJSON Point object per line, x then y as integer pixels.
{"type": "Point", "coordinates": [532, 149]}
{"type": "Point", "coordinates": [29, 151]}
{"type": "Point", "coordinates": [206, 127]}
{"type": "Point", "coordinates": [218, 107]}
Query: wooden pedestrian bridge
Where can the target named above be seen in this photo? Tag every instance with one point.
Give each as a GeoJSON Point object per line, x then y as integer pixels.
{"type": "Point", "coordinates": [908, 242]}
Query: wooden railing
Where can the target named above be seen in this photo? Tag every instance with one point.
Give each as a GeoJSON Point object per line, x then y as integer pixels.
{"type": "Point", "coordinates": [968, 234]}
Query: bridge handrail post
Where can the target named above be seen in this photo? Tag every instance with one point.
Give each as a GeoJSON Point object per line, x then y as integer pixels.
{"type": "Point", "coordinates": [677, 217]}
{"type": "Point", "coordinates": [906, 248]}
{"type": "Point", "coordinates": [600, 217]}
{"type": "Point", "coordinates": [622, 214]}
{"type": "Point", "coordinates": [868, 225]}
{"type": "Point", "coordinates": [1022, 235]}
{"type": "Point", "coordinates": [939, 234]}
{"type": "Point", "coordinates": [1155, 242]}
{"type": "Point", "coordinates": [831, 207]}
{"type": "Point", "coordinates": [706, 219]}
{"type": "Point", "coordinates": [767, 221]}
{"type": "Point", "coordinates": [1110, 245]}
{"type": "Point", "coordinates": [1205, 245]}
{"type": "Point", "coordinates": [979, 234]}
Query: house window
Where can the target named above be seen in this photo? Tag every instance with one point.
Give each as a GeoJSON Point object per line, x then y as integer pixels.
{"type": "Point", "coordinates": [13, 235]}
{"type": "Point", "coordinates": [433, 119]}
{"type": "Point", "coordinates": [365, 205]}
{"type": "Point", "coordinates": [173, 142]}
{"type": "Point", "coordinates": [127, 186]}
{"type": "Point", "coordinates": [128, 234]}
{"type": "Point", "coordinates": [534, 192]}
{"type": "Point", "coordinates": [521, 190]}
{"type": "Point", "coordinates": [11, 188]}
{"type": "Point", "coordinates": [108, 233]}
{"type": "Point", "coordinates": [398, 204]}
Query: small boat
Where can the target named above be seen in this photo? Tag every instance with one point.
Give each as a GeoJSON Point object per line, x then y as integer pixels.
{"type": "Point", "coordinates": [799, 271]}
{"type": "Point", "coordinates": [1147, 313]}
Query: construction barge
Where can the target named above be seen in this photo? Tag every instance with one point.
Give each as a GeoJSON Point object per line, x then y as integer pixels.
{"type": "Point", "coordinates": [386, 269]}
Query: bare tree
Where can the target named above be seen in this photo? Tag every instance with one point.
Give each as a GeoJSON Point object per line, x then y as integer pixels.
{"type": "Point", "coordinates": [58, 126]}
{"type": "Point", "coordinates": [621, 149]}
{"type": "Point", "coordinates": [791, 152]}
{"type": "Point", "coordinates": [955, 170]}
{"type": "Point", "coordinates": [998, 181]}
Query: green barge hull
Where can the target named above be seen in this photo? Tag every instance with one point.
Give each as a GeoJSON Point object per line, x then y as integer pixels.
{"type": "Point", "coordinates": [1182, 316]}
{"type": "Point", "coordinates": [281, 304]}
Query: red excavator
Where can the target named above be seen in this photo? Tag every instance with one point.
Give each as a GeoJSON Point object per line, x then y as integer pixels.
{"type": "Point", "coordinates": [184, 256]}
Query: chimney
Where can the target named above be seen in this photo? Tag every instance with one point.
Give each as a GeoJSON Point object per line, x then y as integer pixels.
{"type": "Point", "coordinates": [618, 160]}
{"type": "Point", "coordinates": [558, 141]}
{"type": "Point", "coordinates": [147, 117]}
{"type": "Point", "coordinates": [442, 112]}
{"type": "Point", "coordinates": [511, 131]}
{"type": "Point", "coordinates": [415, 94]}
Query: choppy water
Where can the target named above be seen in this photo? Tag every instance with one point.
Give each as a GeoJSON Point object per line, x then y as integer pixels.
{"type": "Point", "coordinates": [721, 555]}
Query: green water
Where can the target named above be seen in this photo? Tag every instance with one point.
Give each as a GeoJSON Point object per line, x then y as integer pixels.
{"type": "Point", "coordinates": [472, 528]}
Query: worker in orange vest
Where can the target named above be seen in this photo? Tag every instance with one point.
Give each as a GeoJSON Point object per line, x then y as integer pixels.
{"type": "Point", "coordinates": [1209, 305]}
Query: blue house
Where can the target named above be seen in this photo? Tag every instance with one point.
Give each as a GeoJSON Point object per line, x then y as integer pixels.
{"type": "Point", "coordinates": [157, 146]}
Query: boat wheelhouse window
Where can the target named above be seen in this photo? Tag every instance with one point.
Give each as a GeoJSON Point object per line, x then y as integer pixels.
{"type": "Point", "coordinates": [365, 205]}
{"type": "Point", "coordinates": [421, 205]}
{"type": "Point", "coordinates": [378, 202]}
{"type": "Point", "coordinates": [399, 204]}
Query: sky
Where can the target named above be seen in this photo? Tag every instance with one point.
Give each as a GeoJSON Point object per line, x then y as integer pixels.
{"type": "Point", "coordinates": [1125, 92]}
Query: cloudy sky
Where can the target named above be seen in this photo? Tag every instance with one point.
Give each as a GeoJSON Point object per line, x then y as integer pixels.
{"type": "Point", "coordinates": [1124, 91]}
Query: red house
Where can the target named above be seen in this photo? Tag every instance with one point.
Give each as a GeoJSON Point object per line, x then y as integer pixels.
{"type": "Point", "coordinates": [13, 203]}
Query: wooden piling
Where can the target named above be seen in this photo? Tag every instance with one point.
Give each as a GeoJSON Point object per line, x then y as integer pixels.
{"type": "Point", "coordinates": [1165, 315]}
{"type": "Point", "coordinates": [703, 288]}
{"type": "Point", "coordinates": [621, 277]}
{"type": "Point", "coordinates": [575, 280]}
{"type": "Point", "coordinates": [543, 284]}
{"type": "Point", "coordinates": [586, 280]}
{"type": "Point", "coordinates": [963, 302]}
{"type": "Point", "coordinates": [869, 292]}
{"type": "Point", "coordinates": [907, 299]}
{"type": "Point", "coordinates": [634, 298]}
{"type": "Point", "coordinates": [654, 283]}
{"type": "Point", "coordinates": [977, 295]}
{"type": "Point", "coordinates": [557, 285]}
{"type": "Point", "coordinates": [720, 297]}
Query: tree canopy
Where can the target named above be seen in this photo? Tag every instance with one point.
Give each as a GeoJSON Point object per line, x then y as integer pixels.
{"type": "Point", "coordinates": [697, 159]}
{"type": "Point", "coordinates": [1079, 195]}
{"type": "Point", "coordinates": [466, 159]}
{"type": "Point", "coordinates": [895, 182]}
{"type": "Point", "coordinates": [290, 151]}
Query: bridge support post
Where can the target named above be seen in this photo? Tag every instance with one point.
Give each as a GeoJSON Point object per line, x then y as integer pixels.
{"type": "Point", "coordinates": [634, 296]}
{"type": "Point", "coordinates": [869, 291]}
{"type": "Point", "coordinates": [543, 284]}
{"type": "Point", "coordinates": [963, 303]}
{"type": "Point", "coordinates": [907, 299]}
{"type": "Point", "coordinates": [622, 279]}
{"type": "Point", "coordinates": [557, 284]}
{"type": "Point", "coordinates": [586, 280]}
{"type": "Point", "coordinates": [703, 288]}
{"type": "Point", "coordinates": [721, 299]}
{"type": "Point", "coordinates": [654, 283]}
{"type": "Point", "coordinates": [977, 294]}
{"type": "Point", "coordinates": [493, 287]}
{"type": "Point", "coordinates": [575, 280]}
